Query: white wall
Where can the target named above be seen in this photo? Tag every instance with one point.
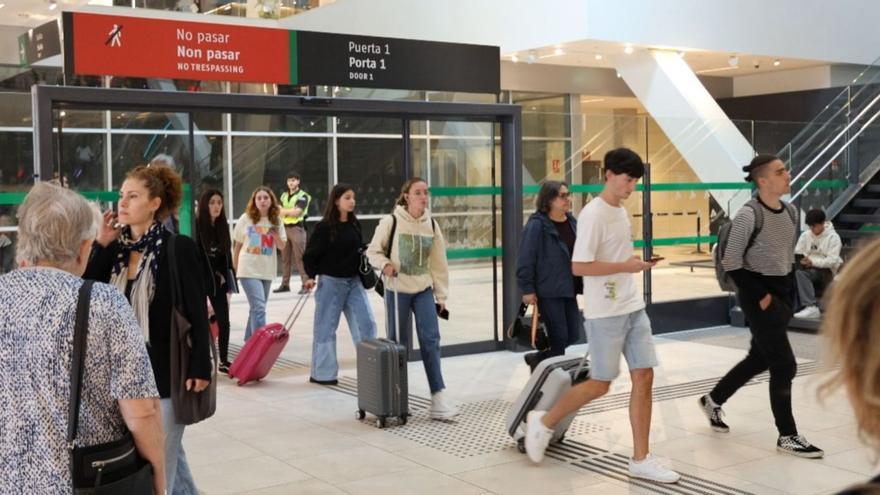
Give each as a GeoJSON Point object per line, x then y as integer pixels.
{"type": "Point", "coordinates": [9, 47]}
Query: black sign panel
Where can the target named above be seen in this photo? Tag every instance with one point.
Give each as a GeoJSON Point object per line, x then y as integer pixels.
{"type": "Point", "coordinates": [373, 62]}
{"type": "Point", "coordinates": [39, 43]}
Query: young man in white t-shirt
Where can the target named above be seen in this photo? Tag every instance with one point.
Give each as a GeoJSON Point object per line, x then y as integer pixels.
{"type": "Point", "coordinates": [615, 314]}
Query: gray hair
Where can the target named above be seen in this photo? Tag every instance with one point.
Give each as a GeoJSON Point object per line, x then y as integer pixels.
{"type": "Point", "coordinates": [52, 223]}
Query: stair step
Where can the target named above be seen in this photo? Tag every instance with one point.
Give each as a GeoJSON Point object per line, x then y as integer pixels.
{"type": "Point", "coordinates": [857, 234]}
{"type": "Point", "coordinates": [858, 218]}
{"type": "Point", "coordinates": [866, 203]}
{"type": "Point", "coordinates": [872, 188]}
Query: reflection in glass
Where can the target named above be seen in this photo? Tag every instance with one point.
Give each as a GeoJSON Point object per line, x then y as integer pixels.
{"type": "Point", "coordinates": [375, 168]}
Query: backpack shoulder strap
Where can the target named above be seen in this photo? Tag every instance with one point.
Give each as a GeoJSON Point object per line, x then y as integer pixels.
{"type": "Point", "coordinates": [792, 212]}
{"type": "Point", "coordinates": [391, 237]}
{"type": "Point", "coordinates": [759, 223]}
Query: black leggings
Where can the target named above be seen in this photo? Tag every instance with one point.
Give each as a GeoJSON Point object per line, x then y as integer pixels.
{"type": "Point", "coordinates": [221, 311]}
{"type": "Point", "coordinates": [770, 349]}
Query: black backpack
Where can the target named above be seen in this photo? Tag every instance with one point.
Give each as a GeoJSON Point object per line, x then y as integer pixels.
{"type": "Point", "coordinates": [724, 281]}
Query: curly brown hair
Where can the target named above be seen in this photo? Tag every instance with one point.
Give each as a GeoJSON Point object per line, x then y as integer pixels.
{"type": "Point", "coordinates": [851, 329]}
{"type": "Point", "coordinates": [163, 183]}
{"type": "Point", "coordinates": [274, 208]}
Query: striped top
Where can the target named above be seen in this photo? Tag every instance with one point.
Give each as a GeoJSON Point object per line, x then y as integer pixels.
{"type": "Point", "coordinates": [772, 253]}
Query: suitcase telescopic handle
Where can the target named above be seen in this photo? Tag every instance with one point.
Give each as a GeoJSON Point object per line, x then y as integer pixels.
{"type": "Point", "coordinates": [388, 284]}
{"type": "Point", "coordinates": [297, 309]}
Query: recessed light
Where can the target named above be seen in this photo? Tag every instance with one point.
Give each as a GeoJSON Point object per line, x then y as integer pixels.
{"type": "Point", "coordinates": [598, 56]}
{"type": "Point", "coordinates": [515, 59]}
{"type": "Point", "coordinates": [558, 51]}
{"type": "Point", "coordinates": [2, 5]}
{"type": "Point", "coordinates": [53, 5]}
{"type": "Point", "coordinates": [777, 63]}
{"type": "Point", "coordinates": [733, 61]}
{"type": "Point", "coordinates": [628, 49]}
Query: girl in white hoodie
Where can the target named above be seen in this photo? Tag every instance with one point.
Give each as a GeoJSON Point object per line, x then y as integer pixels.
{"type": "Point", "coordinates": [409, 247]}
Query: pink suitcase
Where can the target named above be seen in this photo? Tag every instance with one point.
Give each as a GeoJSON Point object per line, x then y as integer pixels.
{"type": "Point", "coordinates": [263, 348]}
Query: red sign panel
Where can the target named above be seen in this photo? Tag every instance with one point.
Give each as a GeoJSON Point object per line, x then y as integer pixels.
{"type": "Point", "coordinates": [98, 44]}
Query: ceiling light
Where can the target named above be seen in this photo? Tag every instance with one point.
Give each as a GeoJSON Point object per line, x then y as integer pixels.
{"type": "Point", "coordinates": [598, 56]}
{"type": "Point", "coordinates": [628, 49]}
{"type": "Point", "coordinates": [594, 100]}
{"type": "Point", "coordinates": [2, 5]}
{"type": "Point", "coordinates": [558, 51]}
{"type": "Point", "coordinates": [53, 5]}
{"type": "Point", "coordinates": [618, 75]}
{"type": "Point", "coordinates": [733, 61]}
{"type": "Point", "coordinates": [777, 63]}
{"type": "Point", "coordinates": [515, 59]}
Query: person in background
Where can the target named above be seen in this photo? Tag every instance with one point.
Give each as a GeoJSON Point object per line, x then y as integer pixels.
{"type": "Point", "coordinates": [851, 330]}
{"type": "Point", "coordinates": [131, 254]}
{"type": "Point", "coordinates": [56, 230]}
{"type": "Point", "coordinates": [819, 251]}
{"type": "Point", "coordinates": [333, 255]}
{"type": "Point", "coordinates": [258, 233]}
{"type": "Point", "coordinates": [7, 246]}
{"type": "Point", "coordinates": [212, 234]}
{"type": "Point", "coordinates": [415, 267]}
{"type": "Point", "coordinates": [294, 210]}
{"type": "Point", "coordinates": [543, 270]}
{"type": "Point", "coordinates": [171, 222]}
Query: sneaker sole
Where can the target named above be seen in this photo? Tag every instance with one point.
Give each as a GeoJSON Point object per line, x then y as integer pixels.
{"type": "Point", "coordinates": [805, 455]}
{"type": "Point", "coordinates": [719, 429]}
{"type": "Point", "coordinates": [657, 480]}
{"type": "Point", "coordinates": [444, 417]}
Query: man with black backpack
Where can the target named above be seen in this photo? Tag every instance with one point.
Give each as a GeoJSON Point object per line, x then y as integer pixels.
{"type": "Point", "coordinates": [757, 255]}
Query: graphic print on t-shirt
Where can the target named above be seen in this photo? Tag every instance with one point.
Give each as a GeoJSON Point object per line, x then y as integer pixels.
{"type": "Point", "coordinates": [414, 251]}
{"type": "Point", "coordinates": [260, 240]}
{"type": "Point", "coordinates": [611, 290]}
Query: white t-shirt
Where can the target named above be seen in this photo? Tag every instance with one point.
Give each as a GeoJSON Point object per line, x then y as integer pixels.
{"type": "Point", "coordinates": [257, 258]}
{"type": "Point", "coordinates": [604, 234]}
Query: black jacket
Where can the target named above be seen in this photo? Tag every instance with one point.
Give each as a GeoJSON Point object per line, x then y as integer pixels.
{"type": "Point", "coordinates": [190, 270]}
{"type": "Point", "coordinates": [339, 257]}
{"type": "Point", "coordinates": [543, 265]}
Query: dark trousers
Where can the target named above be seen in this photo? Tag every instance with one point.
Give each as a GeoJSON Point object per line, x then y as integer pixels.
{"type": "Point", "coordinates": [564, 323]}
{"type": "Point", "coordinates": [811, 284]}
{"type": "Point", "coordinates": [221, 312]}
{"type": "Point", "coordinates": [770, 349]}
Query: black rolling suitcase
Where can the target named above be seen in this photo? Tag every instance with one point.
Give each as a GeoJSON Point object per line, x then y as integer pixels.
{"type": "Point", "coordinates": [381, 377]}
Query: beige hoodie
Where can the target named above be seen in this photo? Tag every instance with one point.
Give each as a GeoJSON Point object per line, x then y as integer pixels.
{"type": "Point", "coordinates": [418, 253]}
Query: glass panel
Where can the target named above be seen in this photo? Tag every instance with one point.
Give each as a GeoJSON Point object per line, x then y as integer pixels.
{"type": "Point", "coordinates": [16, 177]}
{"type": "Point", "coordinates": [82, 158]}
{"type": "Point", "coordinates": [131, 150]}
{"type": "Point", "coordinates": [258, 161]}
{"type": "Point", "coordinates": [15, 109]}
{"type": "Point", "coordinates": [368, 125]}
{"type": "Point", "coordinates": [374, 167]}
{"type": "Point", "coordinates": [279, 123]}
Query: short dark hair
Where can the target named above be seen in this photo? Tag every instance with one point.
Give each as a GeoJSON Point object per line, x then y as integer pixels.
{"type": "Point", "coordinates": [549, 191]}
{"type": "Point", "coordinates": [757, 166]}
{"type": "Point", "coordinates": [294, 175]}
{"type": "Point", "coordinates": [815, 217]}
{"type": "Point", "coordinates": [624, 161]}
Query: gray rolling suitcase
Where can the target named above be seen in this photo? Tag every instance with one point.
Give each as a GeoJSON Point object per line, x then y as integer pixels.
{"type": "Point", "coordinates": [381, 377]}
{"type": "Point", "coordinates": [552, 378]}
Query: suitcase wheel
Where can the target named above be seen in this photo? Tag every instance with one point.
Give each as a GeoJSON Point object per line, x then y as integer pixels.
{"type": "Point", "coordinates": [561, 438]}
{"type": "Point", "coordinates": [403, 420]}
{"type": "Point", "coordinates": [380, 422]}
{"type": "Point", "coordinates": [521, 445]}
{"type": "Point", "coordinates": [360, 414]}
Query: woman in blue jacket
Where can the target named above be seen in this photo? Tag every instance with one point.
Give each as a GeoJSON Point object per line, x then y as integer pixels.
{"type": "Point", "coordinates": [543, 269]}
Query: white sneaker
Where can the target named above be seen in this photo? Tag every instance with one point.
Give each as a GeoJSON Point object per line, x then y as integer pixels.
{"type": "Point", "coordinates": [537, 436]}
{"type": "Point", "coordinates": [650, 469]}
{"type": "Point", "coordinates": [441, 408]}
{"type": "Point", "coordinates": [809, 312]}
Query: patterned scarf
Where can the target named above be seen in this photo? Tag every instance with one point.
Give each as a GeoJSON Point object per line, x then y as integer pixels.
{"type": "Point", "coordinates": [144, 284]}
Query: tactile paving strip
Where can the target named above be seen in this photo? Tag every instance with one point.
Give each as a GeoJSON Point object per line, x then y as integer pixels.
{"type": "Point", "coordinates": [479, 429]}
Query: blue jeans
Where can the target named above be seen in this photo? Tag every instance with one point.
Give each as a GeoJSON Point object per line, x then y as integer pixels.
{"type": "Point", "coordinates": [427, 327]}
{"type": "Point", "coordinates": [335, 296]}
{"type": "Point", "coordinates": [564, 321]}
{"type": "Point", "coordinates": [257, 292]}
{"type": "Point", "coordinates": [178, 478]}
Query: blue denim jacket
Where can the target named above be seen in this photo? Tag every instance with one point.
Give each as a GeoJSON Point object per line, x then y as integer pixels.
{"type": "Point", "coordinates": [543, 266]}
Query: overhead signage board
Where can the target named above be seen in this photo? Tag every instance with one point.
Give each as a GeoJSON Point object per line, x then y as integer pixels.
{"type": "Point", "coordinates": [39, 43]}
{"type": "Point", "coordinates": [127, 46]}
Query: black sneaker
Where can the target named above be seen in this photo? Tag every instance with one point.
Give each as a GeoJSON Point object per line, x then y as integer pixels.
{"type": "Point", "coordinates": [799, 446]}
{"type": "Point", "coordinates": [714, 413]}
{"type": "Point", "coordinates": [224, 368]}
{"type": "Point", "coordinates": [282, 288]}
{"type": "Point", "coordinates": [323, 382]}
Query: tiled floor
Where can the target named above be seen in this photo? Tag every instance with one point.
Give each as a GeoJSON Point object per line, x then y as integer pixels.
{"type": "Point", "coordinates": [286, 436]}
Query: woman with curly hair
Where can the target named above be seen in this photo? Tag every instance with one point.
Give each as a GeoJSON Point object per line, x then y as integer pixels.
{"type": "Point", "coordinates": [257, 235]}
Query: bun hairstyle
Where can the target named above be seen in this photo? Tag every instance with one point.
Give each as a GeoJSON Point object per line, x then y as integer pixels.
{"type": "Point", "coordinates": [162, 183]}
{"type": "Point", "coordinates": [754, 168]}
{"type": "Point", "coordinates": [404, 190]}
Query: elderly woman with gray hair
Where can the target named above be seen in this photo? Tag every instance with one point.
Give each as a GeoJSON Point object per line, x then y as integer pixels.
{"type": "Point", "coordinates": [38, 304]}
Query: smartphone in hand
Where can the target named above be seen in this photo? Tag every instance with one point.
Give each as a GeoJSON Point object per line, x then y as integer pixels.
{"type": "Point", "coordinates": [442, 312]}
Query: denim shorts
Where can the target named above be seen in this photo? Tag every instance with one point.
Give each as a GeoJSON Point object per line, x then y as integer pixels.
{"type": "Point", "coordinates": [628, 334]}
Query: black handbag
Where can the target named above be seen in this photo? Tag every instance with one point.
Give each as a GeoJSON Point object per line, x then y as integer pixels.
{"type": "Point", "coordinates": [110, 467]}
{"type": "Point", "coordinates": [189, 406]}
{"type": "Point", "coordinates": [529, 330]}
{"type": "Point", "coordinates": [367, 273]}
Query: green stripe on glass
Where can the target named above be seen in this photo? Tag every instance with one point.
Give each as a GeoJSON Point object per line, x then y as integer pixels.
{"type": "Point", "coordinates": [460, 254]}
{"type": "Point", "coordinates": [675, 241]}
{"type": "Point", "coordinates": [466, 191]}
{"type": "Point", "coordinates": [293, 58]}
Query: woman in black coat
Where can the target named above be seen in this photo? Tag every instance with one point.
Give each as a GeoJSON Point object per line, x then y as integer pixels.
{"type": "Point", "coordinates": [130, 253]}
{"type": "Point", "coordinates": [212, 235]}
{"type": "Point", "coordinates": [543, 269]}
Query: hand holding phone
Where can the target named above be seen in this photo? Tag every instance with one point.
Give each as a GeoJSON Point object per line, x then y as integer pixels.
{"type": "Point", "coordinates": [442, 312]}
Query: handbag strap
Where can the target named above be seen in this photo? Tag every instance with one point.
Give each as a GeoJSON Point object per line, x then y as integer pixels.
{"type": "Point", "coordinates": [77, 362]}
{"type": "Point", "coordinates": [175, 276]}
{"type": "Point", "coordinates": [536, 322]}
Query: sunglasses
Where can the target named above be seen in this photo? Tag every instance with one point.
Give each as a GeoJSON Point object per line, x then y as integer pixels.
{"type": "Point", "coordinates": [564, 195]}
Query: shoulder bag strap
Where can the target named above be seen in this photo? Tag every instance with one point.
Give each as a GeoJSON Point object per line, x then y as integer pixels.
{"type": "Point", "coordinates": [77, 362]}
{"type": "Point", "coordinates": [391, 237]}
{"type": "Point", "coordinates": [175, 276]}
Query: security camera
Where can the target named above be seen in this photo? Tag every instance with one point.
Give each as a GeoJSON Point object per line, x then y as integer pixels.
{"type": "Point", "coordinates": [756, 64]}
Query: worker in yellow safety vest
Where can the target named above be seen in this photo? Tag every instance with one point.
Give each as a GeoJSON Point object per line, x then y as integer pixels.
{"type": "Point", "coordinates": [294, 210]}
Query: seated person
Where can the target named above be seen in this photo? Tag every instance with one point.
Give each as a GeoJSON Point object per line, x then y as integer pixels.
{"type": "Point", "coordinates": [818, 251]}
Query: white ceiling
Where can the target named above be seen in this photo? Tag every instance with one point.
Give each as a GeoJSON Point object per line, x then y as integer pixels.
{"type": "Point", "coordinates": [32, 13]}
{"type": "Point", "coordinates": [584, 54]}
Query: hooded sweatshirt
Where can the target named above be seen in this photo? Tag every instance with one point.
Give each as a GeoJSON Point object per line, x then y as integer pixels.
{"type": "Point", "coordinates": [418, 253]}
{"type": "Point", "coordinates": [823, 250]}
